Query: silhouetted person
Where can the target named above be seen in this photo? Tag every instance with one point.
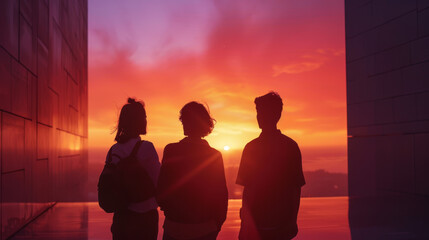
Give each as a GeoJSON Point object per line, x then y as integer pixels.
{"type": "Point", "coordinates": [137, 220]}
{"type": "Point", "coordinates": [271, 173]}
{"type": "Point", "coordinates": [191, 187]}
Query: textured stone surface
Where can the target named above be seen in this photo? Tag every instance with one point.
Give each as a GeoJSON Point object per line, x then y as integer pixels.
{"type": "Point", "coordinates": [387, 75]}
{"type": "Point", "coordinates": [388, 115]}
{"type": "Point", "coordinates": [43, 106]}
{"type": "Point", "coordinates": [9, 26]}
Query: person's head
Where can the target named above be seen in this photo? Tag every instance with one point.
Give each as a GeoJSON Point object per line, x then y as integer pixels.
{"type": "Point", "coordinates": [269, 110]}
{"type": "Point", "coordinates": [196, 120]}
{"type": "Point", "coordinates": [132, 121]}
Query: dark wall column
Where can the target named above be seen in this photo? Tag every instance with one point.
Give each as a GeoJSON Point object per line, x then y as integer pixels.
{"type": "Point", "coordinates": [43, 107]}
{"type": "Point", "coordinates": [387, 55]}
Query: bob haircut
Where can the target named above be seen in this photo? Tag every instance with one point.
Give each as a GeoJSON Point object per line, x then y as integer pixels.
{"type": "Point", "coordinates": [269, 106]}
{"type": "Point", "coordinates": [132, 121]}
{"type": "Point", "coordinates": [196, 120]}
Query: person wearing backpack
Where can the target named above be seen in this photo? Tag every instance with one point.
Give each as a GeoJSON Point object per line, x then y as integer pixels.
{"type": "Point", "coordinates": [128, 181]}
{"type": "Point", "coordinates": [192, 189]}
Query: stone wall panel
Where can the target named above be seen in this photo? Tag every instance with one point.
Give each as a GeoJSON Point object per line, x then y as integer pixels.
{"type": "Point", "coordinates": [392, 127]}
{"type": "Point", "coordinates": [43, 107]}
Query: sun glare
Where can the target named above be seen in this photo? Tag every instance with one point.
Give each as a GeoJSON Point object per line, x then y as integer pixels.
{"type": "Point", "coordinates": [226, 148]}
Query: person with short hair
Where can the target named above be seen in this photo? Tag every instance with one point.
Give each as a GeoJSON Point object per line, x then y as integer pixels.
{"type": "Point", "coordinates": [138, 220]}
{"type": "Point", "coordinates": [192, 189]}
{"type": "Point", "coordinates": [271, 173]}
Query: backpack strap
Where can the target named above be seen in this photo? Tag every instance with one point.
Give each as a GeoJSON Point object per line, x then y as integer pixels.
{"type": "Point", "coordinates": [109, 156]}
{"type": "Point", "coordinates": [135, 149]}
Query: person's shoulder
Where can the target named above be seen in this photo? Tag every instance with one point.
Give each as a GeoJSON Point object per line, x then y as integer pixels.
{"type": "Point", "coordinates": [147, 144]}
{"type": "Point", "coordinates": [289, 142]}
{"type": "Point", "coordinates": [123, 146]}
{"type": "Point", "coordinates": [147, 147]}
{"type": "Point", "coordinates": [214, 151]}
{"type": "Point", "coordinates": [172, 146]}
{"type": "Point", "coordinates": [115, 147]}
{"type": "Point", "coordinates": [213, 154]}
{"type": "Point", "coordinates": [112, 154]}
{"type": "Point", "coordinates": [255, 142]}
{"type": "Point", "coordinates": [288, 139]}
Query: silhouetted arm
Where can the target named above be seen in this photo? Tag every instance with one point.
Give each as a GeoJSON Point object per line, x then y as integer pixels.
{"type": "Point", "coordinates": [151, 163]}
{"type": "Point", "coordinates": [294, 187]}
{"type": "Point", "coordinates": [163, 181]}
{"type": "Point", "coordinates": [299, 175]}
{"type": "Point", "coordinates": [221, 192]}
{"type": "Point", "coordinates": [243, 170]}
{"type": "Point", "coordinates": [296, 199]}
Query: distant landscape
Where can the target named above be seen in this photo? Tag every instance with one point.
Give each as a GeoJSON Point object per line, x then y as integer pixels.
{"type": "Point", "coordinates": [320, 183]}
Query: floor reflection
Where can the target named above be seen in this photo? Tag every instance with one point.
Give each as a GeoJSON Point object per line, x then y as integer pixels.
{"type": "Point", "coordinates": [319, 218]}
{"type": "Point", "coordinates": [63, 221]}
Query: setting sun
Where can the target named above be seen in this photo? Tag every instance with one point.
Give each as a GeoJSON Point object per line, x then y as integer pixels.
{"type": "Point", "coordinates": [226, 148]}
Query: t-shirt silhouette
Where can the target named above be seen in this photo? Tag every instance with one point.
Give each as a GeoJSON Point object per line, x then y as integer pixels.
{"type": "Point", "coordinates": [271, 173]}
{"type": "Point", "coordinates": [191, 186]}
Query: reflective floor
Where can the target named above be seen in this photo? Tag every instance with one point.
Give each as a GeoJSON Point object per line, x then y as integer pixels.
{"type": "Point", "coordinates": [319, 218]}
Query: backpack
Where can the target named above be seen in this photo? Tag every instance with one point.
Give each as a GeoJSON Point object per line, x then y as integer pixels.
{"type": "Point", "coordinates": [124, 183]}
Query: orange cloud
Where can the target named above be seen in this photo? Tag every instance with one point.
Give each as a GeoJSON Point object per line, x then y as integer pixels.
{"type": "Point", "coordinates": [295, 68]}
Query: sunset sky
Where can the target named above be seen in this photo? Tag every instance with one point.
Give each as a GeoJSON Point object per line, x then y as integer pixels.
{"type": "Point", "coordinates": [224, 54]}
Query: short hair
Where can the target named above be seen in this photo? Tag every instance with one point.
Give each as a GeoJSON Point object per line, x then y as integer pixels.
{"type": "Point", "coordinates": [270, 105]}
{"type": "Point", "coordinates": [132, 121]}
{"type": "Point", "coordinates": [196, 119]}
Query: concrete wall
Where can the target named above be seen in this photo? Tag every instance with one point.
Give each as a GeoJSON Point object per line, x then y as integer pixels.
{"type": "Point", "coordinates": [387, 55]}
{"type": "Point", "coordinates": [44, 106]}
